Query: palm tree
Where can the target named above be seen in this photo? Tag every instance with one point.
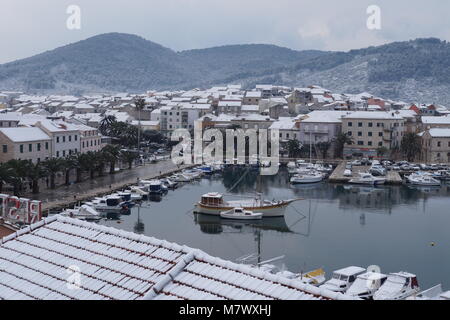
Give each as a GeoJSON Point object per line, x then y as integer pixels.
{"type": "Point", "coordinates": [69, 163]}
{"type": "Point", "coordinates": [35, 172]}
{"type": "Point", "coordinates": [106, 123]}
{"type": "Point", "coordinates": [129, 157]}
{"type": "Point", "coordinates": [341, 140]}
{"type": "Point", "coordinates": [6, 175]}
{"type": "Point", "coordinates": [84, 164]}
{"type": "Point", "coordinates": [53, 166]}
{"type": "Point", "coordinates": [100, 162]}
{"type": "Point", "coordinates": [111, 153]}
{"type": "Point", "coordinates": [411, 146]}
{"type": "Point", "coordinates": [19, 170]}
{"type": "Point", "coordinates": [140, 105]}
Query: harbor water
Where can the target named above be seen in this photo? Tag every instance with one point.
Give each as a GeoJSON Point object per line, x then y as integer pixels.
{"type": "Point", "coordinates": [397, 228]}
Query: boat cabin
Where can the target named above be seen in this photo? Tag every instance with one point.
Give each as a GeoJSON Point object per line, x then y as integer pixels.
{"type": "Point", "coordinates": [342, 279]}
{"type": "Point", "coordinates": [113, 201]}
{"type": "Point", "coordinates": [366, 285]}
{"type": "Point", "coordinates": [212, 199]}
{"type": "Point", "coordinates": [398, 286]}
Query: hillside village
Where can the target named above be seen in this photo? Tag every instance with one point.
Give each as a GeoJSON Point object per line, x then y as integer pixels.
{"type": "Point", "coordinates": [41, 127]}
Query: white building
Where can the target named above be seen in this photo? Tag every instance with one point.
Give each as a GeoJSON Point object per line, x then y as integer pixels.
{"type": "Point", "coordinates": [24, 144]}
{"type": "Point", "coordinates": [65, 137]}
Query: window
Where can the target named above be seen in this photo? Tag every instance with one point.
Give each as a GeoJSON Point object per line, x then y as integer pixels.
{"type": "Point", "coordinates": [38, 147]}
{"type": "Point", "coordinates": [360, 143]}
{"type": "Point", "coordinates": [70, 138]}
{"type": "Point", "coordinates": [370, 134]}
{"type": "Point", "coordinates": [83, 144]}
{"type": "Point", "coordinates": [57, 154]}
{"type": "Point", "coordinates": [21, 148]}
{"type": "Point", "coordinates": [380, 144]}
{"type": "Point", "coordinates": [64, 153]}
{"type": "Point", "coordinates": [64, 138]}
{"type": "Point", "coordinates": [380, 134]}
{"type": "Point", "coordinates": [5, 148]}
{"type": "Point", "coordinates": [359, 134]}
{"type": "Point", "coordinates": [370, 124]}
{"type": "Point", "coordinates": [57, 139]}
{"type": "Point", "coordinates": [76, 138]}
{"type": "Point", "coordinates": [360, 124]}
{"type": "Point", "coordinates": [370, 143]}
{"type": "Point", "coordinates": [46, 146]}
{"type": "Point", "coordinates": [30, 147]}
{"type": "Point", "coordinates": [350, 124]}
{"type": "Point", "coordinates": [439, 144]}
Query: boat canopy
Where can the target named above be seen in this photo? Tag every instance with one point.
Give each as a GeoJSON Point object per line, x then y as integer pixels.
{"type": "Point", "coordinates": [212, 198]}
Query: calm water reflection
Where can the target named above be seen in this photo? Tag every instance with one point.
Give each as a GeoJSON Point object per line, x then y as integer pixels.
{"type": "Point", "coordinates": [335, 226]}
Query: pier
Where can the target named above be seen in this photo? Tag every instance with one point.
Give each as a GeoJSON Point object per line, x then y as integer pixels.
{"type": "Point", "coordinates": [392, 177]}
{"type": "Point", "coordinates": [70, 196]}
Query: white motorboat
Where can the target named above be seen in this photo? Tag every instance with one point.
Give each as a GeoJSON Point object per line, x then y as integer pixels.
{"type": "Point", "coordinates": [241, 214]}
{"type": "Point", "coordinates": [182, 178]}
{"type": "Point", "coordinates": [342, 279]}
{"type": "Point", "coordinates": [368, 179]}
{"type": "Point", "coordinates": [213, 203]}
{"type": "Point", "coordinates": [398, 286]}
{"type": "Point", "coordinates": [169, 183]}
{"type": "Point", "coordinates": [292, 167]}
{"type": "Point", "coordinates": [156, 187]}
{"type": "Point", "coordinates": [113, 204]}
{"type": "Point", "coordinates": [304, 178]}
{"type": "Point", "coordinates": [366, 285]}
{"type": "Point", "coordinates": [84, 212]}
{"type": "Point", "coordinates": [137, 192]}
{"type": "Point", "coordinates": [422, 180]}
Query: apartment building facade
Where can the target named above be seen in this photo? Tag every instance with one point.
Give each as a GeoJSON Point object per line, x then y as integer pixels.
{"type": "Point", "coordinates": [24, 143]}
{"type": "Point", "coordinates": [371, 131]}
{"type": "Point", "coordinates": [65, 137]}
{"type": "Point", "coordinates": [436, 145]}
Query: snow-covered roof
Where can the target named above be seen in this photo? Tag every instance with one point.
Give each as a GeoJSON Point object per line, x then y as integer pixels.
{"type": "Point", "coordinates": [10, 116]}
{"type": "Point", "coordinates": [253, 94]}
{"type": "Point", "coordinates": [439, 132]}
{"type": "Point", "coordinates": [436, 120]}
{"type": "Point", "coordinates": [283, 124]}
{"type": "Point", "coordinates": [350, 271]}
{"type": "Point", "coordinates": [24, 134]}
{"type": "Point", "coordinates": [324, 116]}
{"type": "Point", "coordinates": [57, 126]}
{"type": "Point", "coordinates": [37, 263]}
{"type": "Point", "coordinates": [374, 115]}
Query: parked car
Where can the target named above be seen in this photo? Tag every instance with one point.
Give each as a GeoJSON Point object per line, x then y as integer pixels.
{"type": "Point", "coordinates": [355, 163]}
{"type": "Point", "coordinates": [348, 173]}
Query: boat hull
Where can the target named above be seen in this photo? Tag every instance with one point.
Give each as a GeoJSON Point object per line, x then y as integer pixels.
{"type": "Point", "coordinates": [267, 211]}
{"type": "Point", "coordinates": [306, 180]}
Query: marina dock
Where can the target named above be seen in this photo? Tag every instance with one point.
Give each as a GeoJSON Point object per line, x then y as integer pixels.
{"type": "Point", "coordinates": [70, 196]}
{"type": "Point", "coordinates": [392, 177]}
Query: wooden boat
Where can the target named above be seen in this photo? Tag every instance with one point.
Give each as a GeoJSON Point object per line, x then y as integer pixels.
{"type": "Point", "coordinates": [213, 203]}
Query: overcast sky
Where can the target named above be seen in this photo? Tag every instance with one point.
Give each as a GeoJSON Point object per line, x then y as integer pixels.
{"type": "Point", "coordinates": [28, 27]}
